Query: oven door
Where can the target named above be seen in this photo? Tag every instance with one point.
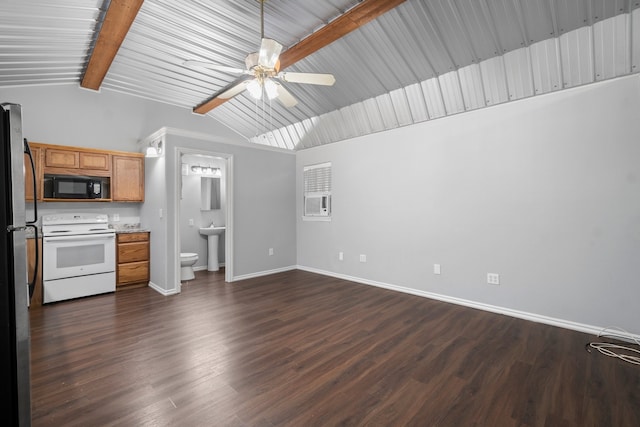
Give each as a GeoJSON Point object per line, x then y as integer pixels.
{"type": "Point", "coordinates": [81, 255]}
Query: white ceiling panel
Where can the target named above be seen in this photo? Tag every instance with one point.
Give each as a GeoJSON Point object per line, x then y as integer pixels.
{"type": "Point", "coordinates": [612, 53]}
{"type": "Point", "coordinates": [451, 93]}
{"type": "Point", "coordinates": [471, 87]}
{"type": "Point", "coordinates": [517, 64]}
{"type": "Point", "coordinates": [360, 118]}
{"type": "Point", "coordinates": [387, 112]}
{"type": "Point", "coordinates": [420, 61]}
{"type": "Point", "coordinates": [494, 80]}
{"type": "Point", "coordinates": [577, 57]}
{"type": "Point", "coordinates": [375, 115]}
{"type": "Point", "coordinates": [433, 97]}
{"type": "Point", "coordinates": [417, 104]}
{"type": "Point", "coordinates": [46, 43]}
{"type": "Point", "coordinates": [635, 46]}
{"type": "Point", "coordinates": [546, 66]}
{"type": "Point", "coordinates": [401, 107]}
{"type": "Point", "coordinates": [505, 17]}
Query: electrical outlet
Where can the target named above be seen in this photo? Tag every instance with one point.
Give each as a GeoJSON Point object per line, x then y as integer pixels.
{"type": "Point", "coordinates": [191, 223]}
{"type": "Point", "coordinates": [116, 217]}
{"type": "Point", "coordinates": [363, 258]}
{"type": "Point", "coordinates": [493, 278]}
{"type": "Point", "coordinates": [340, 256]}
{"type": "Point", "coordinates": [436, 268]}
{"type": "Point", "coordinates": [270, 251]}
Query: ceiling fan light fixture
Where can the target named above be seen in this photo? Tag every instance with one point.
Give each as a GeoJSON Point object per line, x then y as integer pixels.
{"type": "Point", "coordinates": [271, 88]}
{"type": "Point", "coordinates": [255, 89]}
{"type": "Point", "coordinates": [264, 66]}
{"type": "Point", "coordinates": [251, 60]}
{"type": "Point", "coordinates": [269, 53]}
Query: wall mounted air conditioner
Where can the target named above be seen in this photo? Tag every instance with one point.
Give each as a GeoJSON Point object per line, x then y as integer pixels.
{"type": "Point", "coordinates": [317, 205]}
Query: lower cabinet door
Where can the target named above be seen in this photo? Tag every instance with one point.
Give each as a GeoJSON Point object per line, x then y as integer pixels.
{"type": "Point", "coordinates": [133, 272]}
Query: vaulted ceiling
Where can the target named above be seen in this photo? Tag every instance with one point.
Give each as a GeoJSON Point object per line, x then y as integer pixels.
{"type": "Point", "coordinates": [419, 61]}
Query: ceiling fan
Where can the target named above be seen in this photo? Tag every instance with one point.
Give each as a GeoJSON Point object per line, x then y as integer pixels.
{"type": "Point", "coordinates": [260, 78]}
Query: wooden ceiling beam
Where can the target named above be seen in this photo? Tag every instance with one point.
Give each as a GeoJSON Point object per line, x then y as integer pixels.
{"type": "Point", "coordinates": [353, 19]}
{"type": "Point", "coordinates": [117, 21]}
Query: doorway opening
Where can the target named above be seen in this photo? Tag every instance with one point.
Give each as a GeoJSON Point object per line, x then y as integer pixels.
{"type": "Point", "coordinates": [205, 199]}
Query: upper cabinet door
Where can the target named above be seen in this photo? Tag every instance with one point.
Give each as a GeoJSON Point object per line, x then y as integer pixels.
{"type": "Point", "coordinates": [94, 161]}
{"type": "Point", "coordinates": [127, 179]}
{"type": "Point", "coordinates": [55, 158]}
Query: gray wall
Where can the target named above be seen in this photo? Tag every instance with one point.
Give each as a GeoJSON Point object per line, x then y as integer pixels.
{"type": "Point", "coordinates": [263, 201]}
{"type": "Point", "coordinates": [69, 115]}
{"type": "Point", "coordinates": [265, 180]}
{"type": "Point", "coordinates": [153, 214]}
{"type": "Point", "coordinates": [544, 192]}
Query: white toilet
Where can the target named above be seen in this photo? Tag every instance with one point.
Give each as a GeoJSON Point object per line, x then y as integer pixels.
{"type": "Point", "coordinates": [187, 260]}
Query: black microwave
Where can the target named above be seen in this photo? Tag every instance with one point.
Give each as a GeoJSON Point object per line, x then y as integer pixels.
{"type": "Point", "coordinates": [73, 187]}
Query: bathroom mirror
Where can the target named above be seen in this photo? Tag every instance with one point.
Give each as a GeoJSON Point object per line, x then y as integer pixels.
{"type": "Point", "coordinates": [209, 193]}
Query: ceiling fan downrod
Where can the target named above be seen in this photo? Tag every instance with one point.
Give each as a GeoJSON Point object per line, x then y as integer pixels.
{"type": "Point", "coordinates": [262, 18]}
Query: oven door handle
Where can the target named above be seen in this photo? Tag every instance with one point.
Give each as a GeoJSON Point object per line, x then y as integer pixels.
{"type": "Point", "coordinates": [82, 238]}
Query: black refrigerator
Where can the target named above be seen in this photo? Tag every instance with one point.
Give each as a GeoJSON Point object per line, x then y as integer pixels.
{"type": "Point", "coordinates": [14, 287]}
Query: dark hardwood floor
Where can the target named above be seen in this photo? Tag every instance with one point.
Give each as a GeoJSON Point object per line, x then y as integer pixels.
{"type": "Point", "coordinates": [300, 349]}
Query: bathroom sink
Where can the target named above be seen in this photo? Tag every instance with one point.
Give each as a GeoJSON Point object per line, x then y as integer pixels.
{"type": "Point", "coordinates": [212, 234]}
{"type": "Point", "coordinates": [212, 231]}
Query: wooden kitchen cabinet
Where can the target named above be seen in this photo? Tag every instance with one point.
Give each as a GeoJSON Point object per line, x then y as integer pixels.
{"type": "Point", "coordinates": [123, 171]}
{"type": "Point", "coordinates": [28, 174]}
{"type": "Point", "coordinates": [132, 260]}
{"type": "Point", "coordinates": [56, 158]}
{"type": "Point", "coordinates": [76, 159]}
{"type": "Point", "coordinates": [127, 182]}
{"type": "Point", "coordinates": [94, 161]}
{"type": "Point", "coordinates": [59, 160]}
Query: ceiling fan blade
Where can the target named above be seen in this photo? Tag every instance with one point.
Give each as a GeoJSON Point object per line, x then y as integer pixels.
{"type": "Point", "coordinates": [269, 53]}
{"type": "Point", "coordinates": [308, 78]}
{"type": "Point", "coordinates": [234, 89]}
{"type": "Point", "coordinates": [223, 95]}
{"type": "Point", "coordinates": [285, 96]}
{"type": "Point", "coordinates": [210, 66]}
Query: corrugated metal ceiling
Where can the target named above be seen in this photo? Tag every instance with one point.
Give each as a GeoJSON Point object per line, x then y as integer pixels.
{"type": "Point", "coordinates": [420, 61]}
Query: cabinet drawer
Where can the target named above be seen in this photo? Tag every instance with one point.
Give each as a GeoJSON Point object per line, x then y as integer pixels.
{"type": "Point", "coordinates": [133, 272]}
{"type": "Point", "coordinates": [134, 251]}
{"type": "Point", "coordinates": [133, 237]}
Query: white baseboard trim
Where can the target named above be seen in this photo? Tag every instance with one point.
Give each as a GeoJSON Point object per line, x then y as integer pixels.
{"type": "Point", "coordinates": [567, 324]}
{"type": "Point", "coordinates": [263, 273]}
{"type": "Point", "coordinates": [162, 291]}
{"type": "Point", "coordinates": [204, 267]}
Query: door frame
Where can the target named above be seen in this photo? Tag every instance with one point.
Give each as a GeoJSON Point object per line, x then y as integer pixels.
{"type": "Point", "coordinates": [228, 248]}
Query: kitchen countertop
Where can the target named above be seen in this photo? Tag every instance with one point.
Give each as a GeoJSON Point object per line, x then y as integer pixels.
{"type": "Point", "coordinates": [128, 228]}
{"type": "Point", "coordinates": [119, 228]}
{"type": "Point", "coordinates": [132, 230]}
